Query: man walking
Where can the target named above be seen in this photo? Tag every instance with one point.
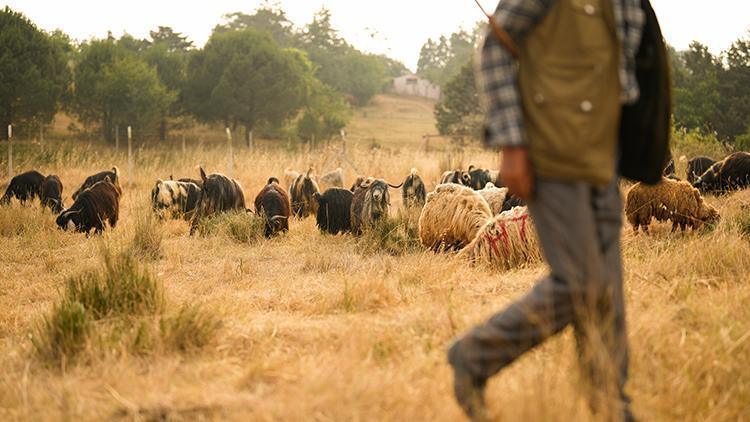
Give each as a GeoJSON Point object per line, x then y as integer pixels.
{"type": "Point", "coordinates": [554, 110]}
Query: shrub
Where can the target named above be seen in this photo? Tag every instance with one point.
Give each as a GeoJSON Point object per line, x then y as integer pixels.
{"type": "Point", "coordinates": [394, 236]}
{"type": "Point", "coordinates": [62, 335]}
{"type": "Point", "coordinates": [192, 328]}
{"type": "Point", "coordinates": [122, 288]}
{"type": "Point", "coordinates": [147, 238]}
{"type": "Point", "coordinates": [240, 226]}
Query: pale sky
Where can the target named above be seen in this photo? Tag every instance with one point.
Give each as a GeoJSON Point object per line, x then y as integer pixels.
{"type": "Point", "coordinates": [397, 28]}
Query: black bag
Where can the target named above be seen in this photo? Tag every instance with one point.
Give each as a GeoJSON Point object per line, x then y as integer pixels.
{"type": "Point", "coordinates": [645, 125]}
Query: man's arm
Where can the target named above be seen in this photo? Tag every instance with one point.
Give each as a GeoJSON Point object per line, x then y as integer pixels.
{"type": "Point", "coordinates": [498, 73]}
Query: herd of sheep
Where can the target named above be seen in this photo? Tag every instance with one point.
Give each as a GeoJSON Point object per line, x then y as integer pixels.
{"type": "Point", "coordinates": [468, 211]}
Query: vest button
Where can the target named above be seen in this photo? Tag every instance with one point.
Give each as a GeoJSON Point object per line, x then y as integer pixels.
{"type": "Point", "coordinates": [586, 106]}
{"type": "Point", "coordinates": [589, 9]}
{"type": "Point", "coordinates": [538, 98]}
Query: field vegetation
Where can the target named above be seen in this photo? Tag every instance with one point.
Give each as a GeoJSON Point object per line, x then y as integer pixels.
{"type": "Point", "coordinates": [148, 323]}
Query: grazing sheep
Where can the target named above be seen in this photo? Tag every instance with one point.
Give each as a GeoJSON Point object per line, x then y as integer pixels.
{"type": "Point", "coordinates": [731, 173]}
{"type": "Point", "coordinates": [456, 176]}
{"type": "Point", "coordinates": [370, 202]}
{"type": "Point", "coordinates": [668, 200]}
{"type": "Point", "coordinates": [175, 198]}
{"type": "Point", "coordinates": [302, 190]}
{"type": "Point", "coordinates": [273, 204]}
{"type": "Point", "coordinates": [332, 179]}
{"type": "Point", "coordinates": [334, 210]}
{"type": "Point", "coordinates": [51, 194]}
{"type": "Point", "coordinates": [697, 166]}
{"type": "Point", "coordinates": [92, 207]}
{"type": "Point", "coordinates": [451, 217]}
{"type": "Point", "coordinates": [114, 176]}
{"type": "Point", "coordinates": [413, 193]}
{"type": "Point", "coordinates": [494, 196]}
{"type": "Point", "coordinates": [506, 241]}
{"type": "Point", "coordinates": [480, 177]}
{"type": "Point", "coordinates": [219, 194]}
{"type": "Point", "coordinates": [25, 186]}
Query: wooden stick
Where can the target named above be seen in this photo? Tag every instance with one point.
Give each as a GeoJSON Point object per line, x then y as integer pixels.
{"type": "Point", "coordinates": [502, 36]}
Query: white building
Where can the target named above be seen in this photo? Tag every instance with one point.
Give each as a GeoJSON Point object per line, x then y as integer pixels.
{"type": "Point", "coordinates": [416, 86]}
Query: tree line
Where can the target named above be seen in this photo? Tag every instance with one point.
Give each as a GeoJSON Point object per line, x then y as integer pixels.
{"type": "Point", "coordinates": [711, 93]}
{"type": "Point", "coordinates": [257, 72]}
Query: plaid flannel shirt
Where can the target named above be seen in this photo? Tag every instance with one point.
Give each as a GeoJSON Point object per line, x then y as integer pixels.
{"type": "Point", "coordinates": [497, 73]}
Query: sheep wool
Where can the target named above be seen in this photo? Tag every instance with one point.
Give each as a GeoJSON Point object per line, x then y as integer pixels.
{"type": "Point", "coordinates": [506, 241]}
{"type": "Point", "coordinates": [668, 200]}
{"type": "Point", "coordinates": [494, 196]}
{"type": "Point", "coordinates": [451, 217]}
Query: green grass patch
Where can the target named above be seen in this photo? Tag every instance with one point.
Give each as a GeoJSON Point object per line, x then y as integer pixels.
{"type": "Point", "coordinates": [239, 226]}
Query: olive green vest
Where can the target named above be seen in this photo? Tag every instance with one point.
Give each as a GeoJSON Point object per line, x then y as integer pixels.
{"type": "Point", "coordinates": [570, 92]}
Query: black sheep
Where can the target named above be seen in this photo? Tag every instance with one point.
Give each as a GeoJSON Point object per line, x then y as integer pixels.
{"type": "Point", "coordinates": [512, 201]}
{"type": "Point", "coordinates": [114, 177]}
{"type": "Point", "coordinates": [413, 192]}
{"type": "Point", "coordinates": [92, 207]}
{"type": "Point", "coordinates": [334, 210]}
{"type": "Point", "coordinates": [219, 194]}
{"type": "Point", "coordinates": [273, 204]}
{"type": "Point", "coordinates": [731, 173]}
{"type": "Point", "coordinates": [697, 166]}
{"type": "Point", "coordinates": [24, 187]}
{"type": "Point", "coordinates": [51, 194]}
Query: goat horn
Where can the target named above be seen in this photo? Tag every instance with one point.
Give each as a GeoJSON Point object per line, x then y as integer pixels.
{"type": "Point", "coordinates": [395, 186]}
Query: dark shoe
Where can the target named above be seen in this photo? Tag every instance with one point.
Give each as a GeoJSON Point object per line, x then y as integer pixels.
{"type": "Point", "coordinates": [468, 388]}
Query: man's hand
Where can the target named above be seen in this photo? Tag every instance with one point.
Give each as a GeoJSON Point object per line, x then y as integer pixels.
{"type": "Point", "coordinates": [516, 172]}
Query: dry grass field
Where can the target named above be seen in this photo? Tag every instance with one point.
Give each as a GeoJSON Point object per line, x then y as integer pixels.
{"type": "Point", "coordinates": [309, 326]}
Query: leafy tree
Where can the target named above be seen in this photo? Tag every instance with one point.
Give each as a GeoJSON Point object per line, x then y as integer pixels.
{"type": "Point", "coordinates": [357, 75]}
{"type": "Point", "coordinates": [244, 78]}
{"type": "Point", "coordinates": [268, 19]}
{"type": "Point", "coordinates": [114, 86]}
{"type": "Point", "coordinates": [171, 67]}
{"type": "Point", "coordinates": [734, 91]}
{"type": "Point", "coordinates": [697, 97]}
{"type": "Point", "coordinates": [458, 114]}
{"type": "Point", "coordinates": [325, 115]}
{"type": "Point", "coordinates": [440, 61]}
{"type": "Point", "coordinates": [172, 41]}
{"type": "Point", "coordinates": [34, 74]}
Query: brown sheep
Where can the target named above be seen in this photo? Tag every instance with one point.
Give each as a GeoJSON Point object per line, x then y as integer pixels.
{"type": "Point", "coordinates": [668, 200]}
{"type": "Point", "coordinates": [451, 217]}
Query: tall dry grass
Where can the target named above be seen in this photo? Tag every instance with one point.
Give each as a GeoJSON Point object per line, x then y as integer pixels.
{"type": "Point", "coordinates": [311, 326]}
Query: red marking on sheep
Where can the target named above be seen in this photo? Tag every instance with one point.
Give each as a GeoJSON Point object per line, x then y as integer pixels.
{"type": "Point", "coordinates": [493, 240]}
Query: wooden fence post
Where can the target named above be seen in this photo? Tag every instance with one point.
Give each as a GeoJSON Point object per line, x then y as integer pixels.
{"type": "Point", "coordinates": [130, 156]}
{"type": "Point", "coordinates": [250, 140]}
{"type": "Point", "coordinates": [10, 151]}
{"type": "Point", "coordinates": [230, 155]}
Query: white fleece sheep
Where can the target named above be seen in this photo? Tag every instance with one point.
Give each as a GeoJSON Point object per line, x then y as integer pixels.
{"type": "Point", "coordinates": [494, 196]}
{"type": "Point", "coordinates": [506, 241]}
{"type": "Point", "coordinates": [452, 216]}
{"type": "Point", "coordinates": [332, 179]}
